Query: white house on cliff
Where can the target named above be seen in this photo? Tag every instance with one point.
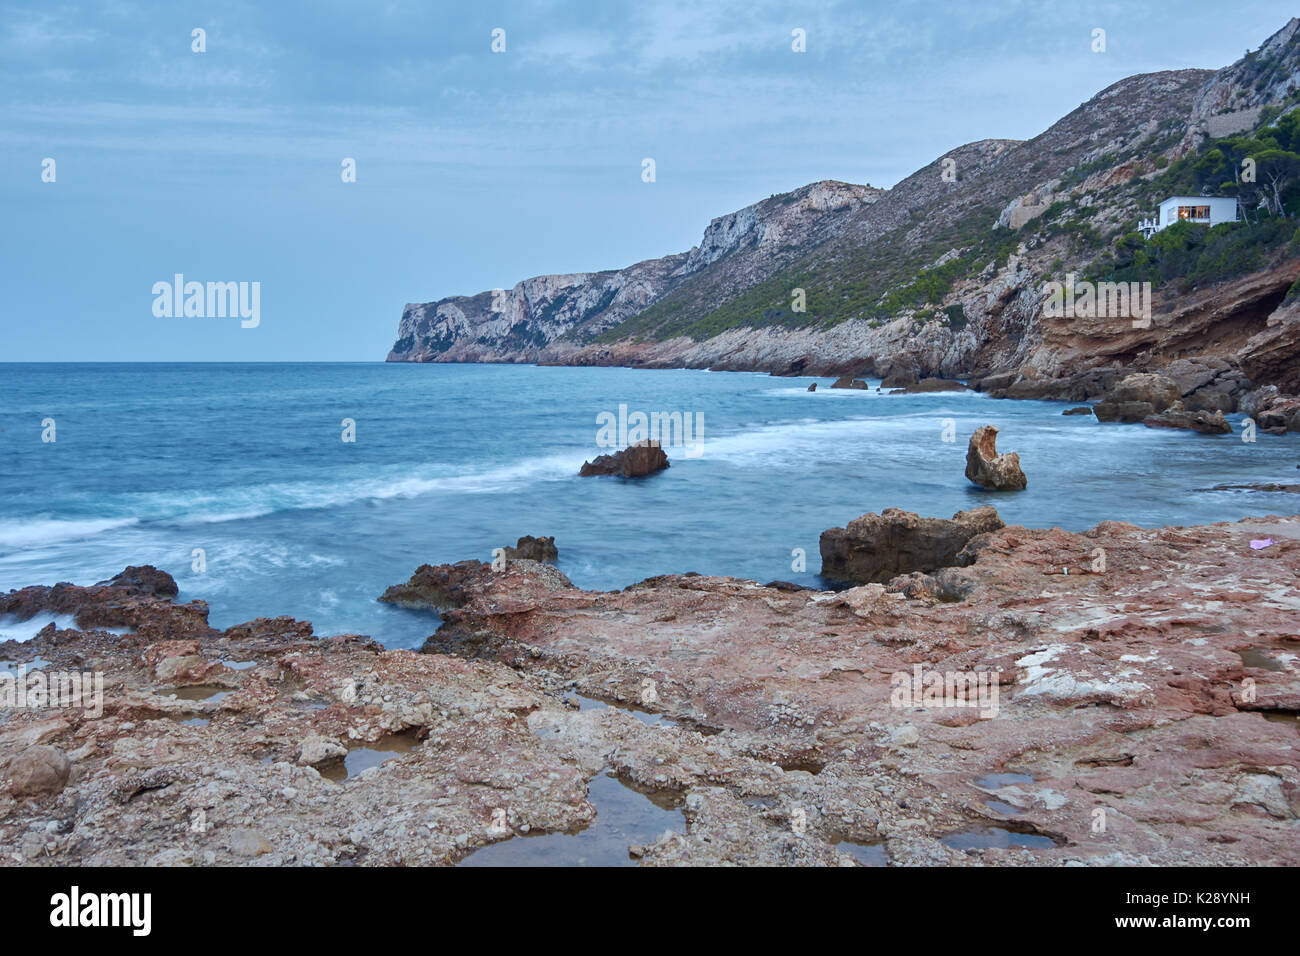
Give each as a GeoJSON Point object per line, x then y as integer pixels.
{"type": "Point", "coordinates": [1209, 210]}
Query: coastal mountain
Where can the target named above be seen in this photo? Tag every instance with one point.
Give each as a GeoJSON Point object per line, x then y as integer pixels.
{"type": "Point", "coordinates": [524, 324]}
{"type": "Point", "coordinates": [944, 274]}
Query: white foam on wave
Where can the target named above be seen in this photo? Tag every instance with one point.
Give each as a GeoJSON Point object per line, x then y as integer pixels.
{"type": "Point", "coordinates": [255, 501]}
{"type": "Point", "coordinates": [803, 440]}
{"type": "Point", "coordinates": [12, 629]}
{"type": "Point", "coordinates": [21, 534]}
{"type": "Point", "coordinates": [826, 392]}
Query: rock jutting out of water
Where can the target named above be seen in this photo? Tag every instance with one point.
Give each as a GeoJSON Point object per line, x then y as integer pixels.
{"type": "Point", "coordinates": [1207, 423]}
{"type": "Point", "coordinates": [635, 461]}
{"type": "Point", "coordinates": [876, 548]}
{"type": "Point", "coordinates": [987, 468]}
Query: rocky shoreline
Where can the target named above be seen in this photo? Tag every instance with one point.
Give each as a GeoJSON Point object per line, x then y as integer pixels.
{"type": "Point", "coordinates": [943, 278]}
{"type": "Point", "coordinates": [1130, 697]}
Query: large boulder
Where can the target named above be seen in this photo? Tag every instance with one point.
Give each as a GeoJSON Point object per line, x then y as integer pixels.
{"type": "Point", "coordinates": [529, 548]}
{"type": "Point", "coordinates": [1193, 373]}
{"type": "Point", "coordinates": [875, 548]}
{"type": "Point", "coordinates": [1207, 423]}
{"type": "Point", "coordinates": [635, 461]}
{"type": "Point", "coordinates": [987, 468]}
{"type": "Point", "coordinates": [848, 381]}
{"type": "Point", "coordinates": [1259, 398]}
{"type": "Point", "coordinates": [1127, 412]}
{"type": "Point", "coordinates": [1207, 383]}
{"type": "Point", "coordinates": [179, 662]}
{"type": "Point", "coordinates": [1138, 397]}
{"type": "Point", "coordinates": [1272, 410]}
{"type": "Point", "coordinates": [441, 587]}
{"type": "Point", "coordinates": [144, 579]}
{"type": "Point", "coordinates": [446, 587]}
{"type": "Point", "coordinates": [317, 750]}
{"type": "Point", "coordinates": [1210, 400]}
{"type": "Point", "coordinates": [901, 379]}
{"type": "Point", "coordinates": [38, 770]}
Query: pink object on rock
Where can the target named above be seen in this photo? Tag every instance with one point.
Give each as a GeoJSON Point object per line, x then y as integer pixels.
{"type": "Point", "coordinates": [1259, 544]}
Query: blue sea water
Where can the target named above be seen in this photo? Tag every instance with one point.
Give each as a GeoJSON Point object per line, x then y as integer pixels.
{"type": "Point", "coordinates": [247, 462]}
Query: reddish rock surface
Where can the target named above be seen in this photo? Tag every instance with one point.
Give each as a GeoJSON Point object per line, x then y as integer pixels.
{"type": "Point", "coordinates": [1153, 687]}
{"type": "Point", "coordinates": [1155, 682]}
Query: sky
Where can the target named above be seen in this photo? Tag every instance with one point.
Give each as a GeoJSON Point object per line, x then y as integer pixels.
{"type": "Point", "coordinates": [475, 169]}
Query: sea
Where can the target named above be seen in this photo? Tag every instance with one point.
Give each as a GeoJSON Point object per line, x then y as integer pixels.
{"type": "Point", "coordinates": [241, 481]}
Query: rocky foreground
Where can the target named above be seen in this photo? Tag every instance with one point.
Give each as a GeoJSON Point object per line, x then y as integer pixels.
{"type": "Point", "coordinates": [1146, 695]}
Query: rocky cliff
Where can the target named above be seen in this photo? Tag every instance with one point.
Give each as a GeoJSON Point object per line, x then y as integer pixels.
{"type": "Point", "coordinates": [546, 317]}
{"type": "Point", "coordinates": [944, 273]}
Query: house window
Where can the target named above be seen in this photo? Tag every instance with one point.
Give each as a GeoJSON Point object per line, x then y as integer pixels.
{"type": "Point", "coordinates": [1194, 213]}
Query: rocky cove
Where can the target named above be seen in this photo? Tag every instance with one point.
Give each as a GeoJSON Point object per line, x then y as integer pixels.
{"type": "Point", "coordinates": [1146, 711]}
{"type": "Point", "coordinates": [960, 276]}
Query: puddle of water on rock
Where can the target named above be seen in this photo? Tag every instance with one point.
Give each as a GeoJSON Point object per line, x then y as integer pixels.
{"type": "Point", "coordinates": [1261, 658]}
{"type": "Point", "coordinates": [868, 854]}
{"type": "Point", "coordinates": [239, 665]}
{"type": "Point", "coordinates": [371, 755]}
{"type": "Point", "coordinates": [625, 816]}
{"type": "Point", "coordinates": [197, 721]}
{"type": "Point", "coordinates": [201, 692]}
{"type": "Point", "coordinates": [989, 838]}
{"type": "Point", "coordinates": [36, 663]}
{"type": "Point", "coordinates": [995, 781]}
{"type": "Point", "coordinates": [645, 716]}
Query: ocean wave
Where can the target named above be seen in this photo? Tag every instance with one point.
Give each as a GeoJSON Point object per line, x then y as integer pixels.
{"type": "Point", "coordinates": [824, 392]}
{"type": "Point", "coordinates": [19, 534]}
{"type": "Point", "coordinates": [244, 503]}
{"type": "Point", "coordinates": [841, 438]}
{"type": "Point", "coordinates": [12, 629]}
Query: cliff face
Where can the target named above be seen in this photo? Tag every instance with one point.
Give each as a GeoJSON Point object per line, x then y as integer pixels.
{"type": "Point", "coordinates": [1232, 99]}
{"type": "Point", "coordinates": [943, 273]}
{"type": "Point", "coordinates": [515, 325]}
{"type": "Point", "coordinates": [518, 325]}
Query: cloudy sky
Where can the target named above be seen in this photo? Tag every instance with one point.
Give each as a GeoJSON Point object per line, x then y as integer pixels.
{"type": "Point", "coordinates": [476, 169]}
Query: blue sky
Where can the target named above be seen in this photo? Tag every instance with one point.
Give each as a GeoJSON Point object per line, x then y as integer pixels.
{"type": "Point", "coordinates": [477, 169]}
